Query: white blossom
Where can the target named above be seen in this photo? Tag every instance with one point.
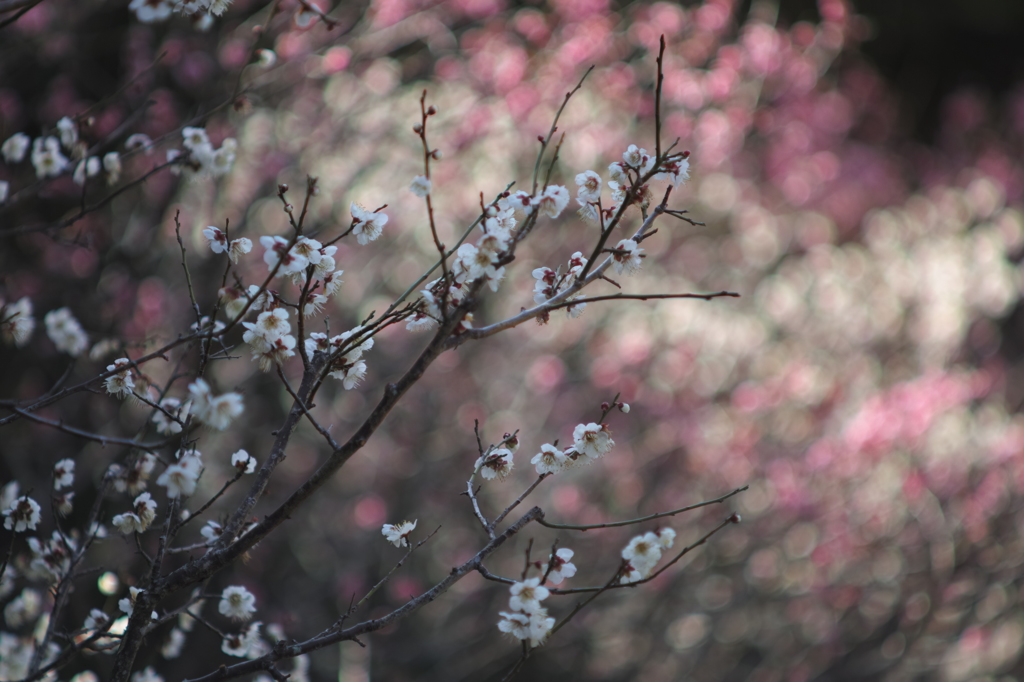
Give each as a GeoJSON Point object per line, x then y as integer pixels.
{"type": "Point", "coordinates": [527, 595]}
{"type": "Point", "coordinates": [589, 184]}
{"type": "Point", "coordinates": [145, 507]}
{"type": "Point", "coordinates": [243, 462]}
{"type": "Point", "coordinates": [240, 644]}
{"type": "Point", "coordinates": [221, 161]}
{"type": "Point", "coordinates": [68, 132]}
{"type": "Point", "coordinates": [561, 566]}
{"type": "Point", "coordinates": [86, 168]}
{"type": "Point", "coordinates": [217, 240]}
{"type": "Point", "coordinates": [147, 675]}
{"type": "Point", "coordinates": [522, 201]}
{"type": "Point", "coordinates": [314, 302]}
{"type": "Point", "coordinates": [277, 250]}
{"type": "Point", "coordinates": [592, 440]}
{"type": "Point", "coordinates": [627, 257]}
{"type": "Point", "coordinates": [211, 531]}
{"type": "Point", "coordinates": [15, 147]}
{"type": "Point", "coordinates": [217, 412]}
{"type": "Point", "coordinates": [51, 560]}
{"type": "Point", "coordinates": [127, 523]}
{"type": "Point", "coordinates": [427, 316]}
{"type": "Point", "coordinates": [420, 186]}
{"type": "Point", "coordinates": [576, 309]}
{"type": "Point", "coordinates": [96, 620]}
{"type": "Point", "coordinates": [266, 58]}
{"type": "Point", "coordinates": [549, 460]}
{"type": "Point", "coordinates": [65, 332]}
{"type": "Point", "coordinates": [195, 138]}
{"type": "Point", "coordinates": [22, 609]}
{"type": "Point", "coordinates": [22, 514]}
{"type": "Point", "coordinates": [666, 538]}
{"type": "Point", "coordinates": [553, 200]}
{"type": "Point", "coordinates": [515, 623]}
{"type": "Point", "coordinates": [63, 474]}
{"type": "Point", "coordinates": [120, 384]}
{"type": "Point", "coordinates": [638, 159]}
{"type": "Point", "coordinates": [237, 603]}
{"type": "Point", "coordinates": [238, 247]}
{"type": "Point", "coordinates": [127, 604]}
{"type": "Point", "coordinates": [618, 191]}
{"type": "Point", "coordinates": [366, 225]}
{"type": "Point", "coordinates": [332, 282]}
{"type": "Point", "coordinates": [643, 552]}
{"type": "Point", "coordinates": [495, 464]}
{"type": "Point", "coordinates": [181, 477]}
{"type": "Point", "coordinates": [150, 11]}
{"type": "Point", "coordinates": [398, 534]}
{"type": "Point", "coordinates": [172, 158]}
{"type": "Point", "coordinates": [534, 626]}
{"type": "Point", "coordinates": [139, 141]}
{"type": "Point", "coordinates": [47, 157]}
{"type": "Point", "coordinates": [112, 164]}
{"type": "Point", "coordinates": [164, 424]}
{"type": "Point", "coordinates": [675, 171]}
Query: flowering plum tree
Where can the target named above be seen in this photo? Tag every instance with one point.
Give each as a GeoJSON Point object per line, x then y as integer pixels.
{"type": "Point", "coordinates": [169, 389]}
{"type": "Point", "coordinates": [157, 171]}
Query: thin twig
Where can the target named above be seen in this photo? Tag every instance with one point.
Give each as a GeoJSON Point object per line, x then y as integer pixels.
{"type": "Point", "coordinates": [105, 440]}
{"type": "Point", "coordinates": [686, 550]}
{"type": "Point", "coordinates": [533, 486]}
{"type": "Point", "coordinates": [651, 517]}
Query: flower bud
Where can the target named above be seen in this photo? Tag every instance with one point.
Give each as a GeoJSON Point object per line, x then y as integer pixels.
{"type": "Point", "coordinates": [266, 58]}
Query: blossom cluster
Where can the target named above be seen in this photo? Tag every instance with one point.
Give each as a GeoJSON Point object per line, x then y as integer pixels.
{"type": "Point", "coordinates": [53, 155]}
{"type": "Point", "coordinates": [181, 477]}
{"type": "Point", "coordinates": [527, 620]}
{"type": "Point", "coordinates": [643, 553]}
{"type": "Point", "coordinates": [170, 418]}
{"type": "Point", "coordinates": [138, 520]}
{"type": "Point", "coordinates": [215, 411]}
{"type": "Point", "coordinates": [550, 283]}
{"type": "Point", "coordinates": [590, 442]}
{"type": "Point", "coordinates": [65, 332]}
{"type": "Point", "coordinates": [270, 338]}
{"type": "Point", "coordinates": [133, 478]}
{"type": "Point", "coordinates": [153, 11]}
{"type": "Point", "coordinates": [480, 260]}
{"type": "Point", "coordinates": [219, 243]}
{"type": "Point", "coordinates": [345, 353]}
{"type": "Point", "coordinates": [199, 157]}
{"type": "Point", "coordinates": [50, 558]}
